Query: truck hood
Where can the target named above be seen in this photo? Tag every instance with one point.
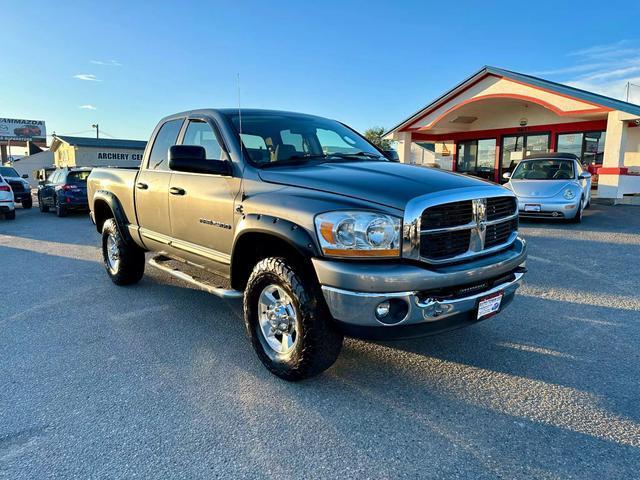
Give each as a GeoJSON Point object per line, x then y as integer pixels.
{"type": "Point", "coordinates": [386, 183]}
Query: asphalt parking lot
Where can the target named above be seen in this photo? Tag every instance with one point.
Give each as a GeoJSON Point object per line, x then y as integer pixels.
{"type": "Point", "coordinates": [159, 381]}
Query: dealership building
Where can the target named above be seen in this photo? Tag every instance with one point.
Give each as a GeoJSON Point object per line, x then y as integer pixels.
{"type": "Point", "coordinates": [485, 125]}
{"type": "Point", "coordinates": [96, 152]}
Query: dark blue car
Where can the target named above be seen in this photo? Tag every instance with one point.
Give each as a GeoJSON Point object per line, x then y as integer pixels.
{"type": "Point", "coordinates": [65, 190]}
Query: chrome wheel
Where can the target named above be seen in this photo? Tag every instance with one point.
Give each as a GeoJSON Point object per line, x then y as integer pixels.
{"type": "Point", "coordinates": [278, 320]}
{"type": "Point", "coordinates": [113, 254]}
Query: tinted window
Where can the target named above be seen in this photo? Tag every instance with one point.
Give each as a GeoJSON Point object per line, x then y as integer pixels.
{"type": "Point", "coordinates": [166, 138]}
{"type": "Point", "coordinates": [201, 133]}
{"type": "Point", "coordinates": [78, 176]}
{"type": "Point", "coordinates": [8, 172]}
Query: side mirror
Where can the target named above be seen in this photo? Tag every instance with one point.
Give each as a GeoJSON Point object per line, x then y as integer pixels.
{"type": "Point", "coordinates": [506, 175]}
{"type": "Point", "coordinates": [25, 176]}
{"type": "Point", "coordinates": [391, 155]}
{"type": "Point", "coordinates": [193, 159]}
{"type": "Point", "coordinates": [584, 175]}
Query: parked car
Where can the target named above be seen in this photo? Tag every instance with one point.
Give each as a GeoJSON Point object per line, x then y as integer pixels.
{"type": "Point", "coordinates": [551, 185]}
{"type": "Point", "coordinates": [21, 188]}
{"type": "Point", "coordinates": [317, 231]}
{"type": "Point", "coordinates": [65, 190]}
{"type": "Point", "coordinates": [7, 206]}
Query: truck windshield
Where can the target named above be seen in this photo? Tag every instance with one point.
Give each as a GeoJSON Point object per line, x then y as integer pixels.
{"type": "Point", "coordinates": [544, 170]}
{"type": "Point", "coordinates": [8, 172]}
{"type": "Point", "coordinates": [273, 139]}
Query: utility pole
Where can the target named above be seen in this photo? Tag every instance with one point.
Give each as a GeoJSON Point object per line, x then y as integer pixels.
{"type": "Point", "coordinates": [97, 127]}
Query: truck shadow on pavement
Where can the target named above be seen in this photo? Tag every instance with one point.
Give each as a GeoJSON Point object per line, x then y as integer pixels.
{"type": "Point", "coordinates": [545, 388]}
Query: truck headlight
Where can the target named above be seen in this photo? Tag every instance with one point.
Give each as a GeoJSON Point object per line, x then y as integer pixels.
{"type": "Point", "coordinates": [358, 234]}
{"type": "Point", "coordinates": [569, 194]}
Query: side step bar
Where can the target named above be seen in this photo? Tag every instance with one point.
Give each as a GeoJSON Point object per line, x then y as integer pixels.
{"type": "Point", "coordinates": [161, 263]}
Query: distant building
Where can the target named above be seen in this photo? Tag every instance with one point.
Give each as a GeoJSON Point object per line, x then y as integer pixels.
{"type": "Point", "coordinates": [95, 152]}
{"type": "Point", "coordinates": [485, 125]}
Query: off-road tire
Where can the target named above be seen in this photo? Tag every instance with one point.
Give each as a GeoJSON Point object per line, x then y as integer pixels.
{"type": "Point", "coordinates": [10, 215]}
{"type": "Point", "coordinates": [61, 210]}
{"type": "Point", "coordinates": [43, 208]}
{"type": "Point", "coordinates": [318, 341]}
{"type": "Point", "coordinates": [130, 268]}
{"type": "Point", "coordinates": [28, 203]}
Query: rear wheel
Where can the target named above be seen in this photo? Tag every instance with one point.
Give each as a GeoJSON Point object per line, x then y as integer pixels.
{"type": "Point", "coordinates": [61, 210]}
{"type": "Point", "coordinates": [27, 203]}
{"type": "Point", "coordinates": [287, 321]}
{"type": "Point", "coordinates": [124, 261]}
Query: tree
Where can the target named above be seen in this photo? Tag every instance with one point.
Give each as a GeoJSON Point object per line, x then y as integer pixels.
{"type": "Point", "coordinates": [374, 135]}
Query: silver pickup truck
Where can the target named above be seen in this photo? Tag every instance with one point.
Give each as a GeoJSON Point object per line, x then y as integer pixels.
{"type": "Point", "coordinates": [314, 227]}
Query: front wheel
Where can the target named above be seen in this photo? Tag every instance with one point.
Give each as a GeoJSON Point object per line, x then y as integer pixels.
{"type": "Point", "coordinates": [578, 216]}
{"type": "Point", "coordinates": [287, 321]}
{"type": "Point", "coordinates": [123, 261]}
{"type": "Point", "coordinates": [43, 208]}
{"type": "Point", "coordinates": [61, 210]}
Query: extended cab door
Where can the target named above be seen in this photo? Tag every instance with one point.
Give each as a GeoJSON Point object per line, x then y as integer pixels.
{"type": "Point", "coordinates": [152, 188]}
{"type": "Point", "coordinates": [201, 206]}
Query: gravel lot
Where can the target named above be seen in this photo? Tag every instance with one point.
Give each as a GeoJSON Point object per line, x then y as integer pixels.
{"type": "Point", "coordinates": [158, 380]}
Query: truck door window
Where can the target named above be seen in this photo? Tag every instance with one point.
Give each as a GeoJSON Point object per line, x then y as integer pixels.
{"type": "Point", "coordinates": [165, 138]}
{"type": "Point", "coordinates": [200, 133]}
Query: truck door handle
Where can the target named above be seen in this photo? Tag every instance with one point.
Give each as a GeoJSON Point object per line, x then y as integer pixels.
{"type": "Point", "coordinates": [177, 191]}
{"type": "Point", "coordinates": [142, 186]}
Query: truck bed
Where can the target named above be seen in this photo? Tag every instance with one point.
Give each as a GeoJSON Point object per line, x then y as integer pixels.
{"type": "Point", "coordinates": [117, 181]}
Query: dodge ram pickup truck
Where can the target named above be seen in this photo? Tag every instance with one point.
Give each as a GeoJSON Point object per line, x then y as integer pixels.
{"type": "Point", "coordinates": [313, 227]}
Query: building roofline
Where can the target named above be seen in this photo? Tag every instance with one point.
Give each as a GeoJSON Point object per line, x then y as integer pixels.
{"type": "Point", "coordinates": [554, 87]}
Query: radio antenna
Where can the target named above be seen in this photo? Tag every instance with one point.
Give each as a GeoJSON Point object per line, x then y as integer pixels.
{"type": "Point", "coordinates": [241, 145]}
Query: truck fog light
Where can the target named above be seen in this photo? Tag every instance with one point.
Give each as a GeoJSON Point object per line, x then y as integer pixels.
{"type": "Point", "coordinates": [392, 311]}
{"type": "Point", "coordinates": [382, 310]}
{"type": "Point", "coordinates": [570, 206]}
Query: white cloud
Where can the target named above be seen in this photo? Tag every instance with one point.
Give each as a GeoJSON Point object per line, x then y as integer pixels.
{"type": "Point", "coordinates": [88, 77]}
{"type": "Point", "coordinates": [604, 69]}
{"type": "Point", "coordinates": [108, 63]}
{"type": "Point", "coordinates": [87, 107]}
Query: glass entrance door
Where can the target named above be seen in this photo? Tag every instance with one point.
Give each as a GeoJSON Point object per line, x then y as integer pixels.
{"type": "Point", "coordinates": [477, 158]}
{"type": "Point", "coordinates": [516, 147]}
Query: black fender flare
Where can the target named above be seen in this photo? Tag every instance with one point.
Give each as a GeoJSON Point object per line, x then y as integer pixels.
{"type": "Point", "coordinates": [289, 232]}
{"type": "Point", "coordinates": [118, 213]}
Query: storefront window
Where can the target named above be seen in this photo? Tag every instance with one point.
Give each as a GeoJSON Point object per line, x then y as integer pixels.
{"type": "Point", "coordinates": [516, 147]}
{"type": "Point", "coordinates": [587, 146]}
{"type": "Point", "coordinates": [593, 153]}
{"type": "Point", "coordinates": [477, 157]}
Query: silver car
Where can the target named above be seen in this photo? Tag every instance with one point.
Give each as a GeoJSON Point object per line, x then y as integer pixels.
{"type": "Point", "coordinates": [551, 185]}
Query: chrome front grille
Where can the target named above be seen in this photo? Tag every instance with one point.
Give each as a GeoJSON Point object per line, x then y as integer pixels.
{"type": "Point", "coordinates": [455, 231]}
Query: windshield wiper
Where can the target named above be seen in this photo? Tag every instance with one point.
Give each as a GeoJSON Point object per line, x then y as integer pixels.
{"type": "Point", "coordinates": [357, 154]}
{"type": "Point", "coordinates": [294, 160]}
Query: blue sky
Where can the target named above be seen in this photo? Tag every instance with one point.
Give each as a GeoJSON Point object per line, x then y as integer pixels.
{"type": "Point", "coordinates": [126, 64]}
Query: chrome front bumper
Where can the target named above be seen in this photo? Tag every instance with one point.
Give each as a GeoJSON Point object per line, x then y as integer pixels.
{"type": "Point", "coordinates": [562, 208]}
{"type": "Point", "coordinates": [357, 308]}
